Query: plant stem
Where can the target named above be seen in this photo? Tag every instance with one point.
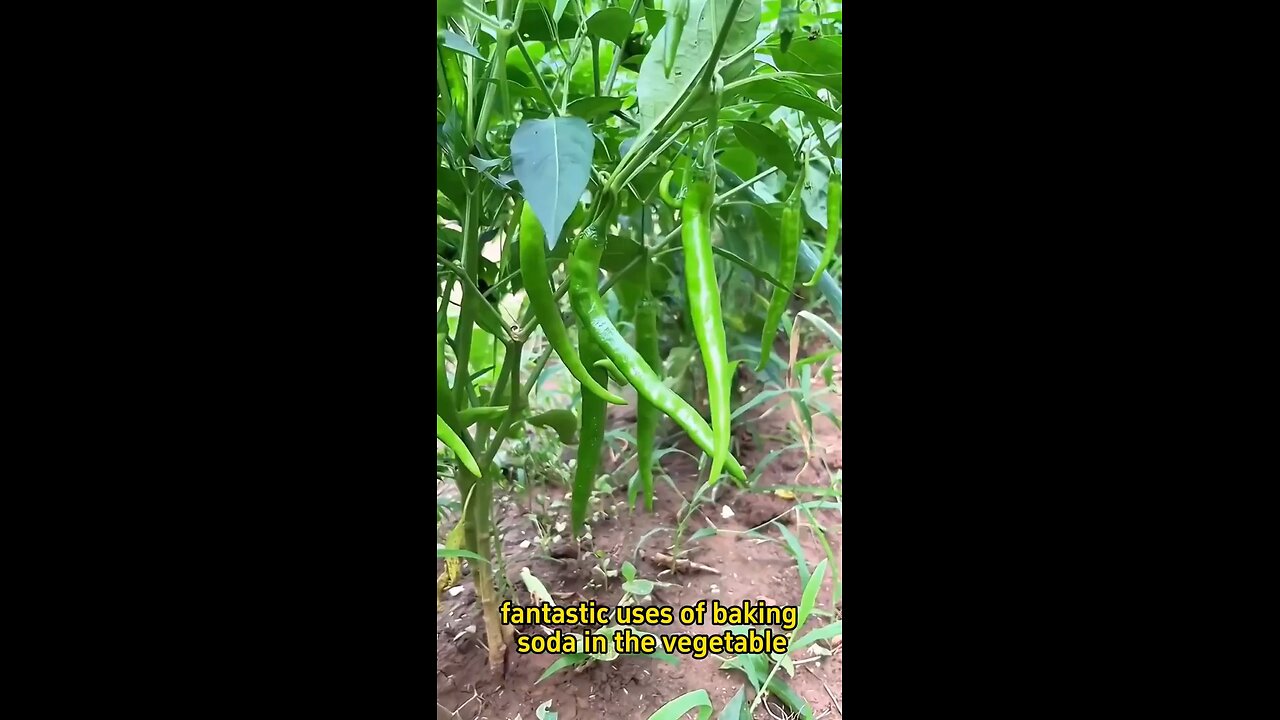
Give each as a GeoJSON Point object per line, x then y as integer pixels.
{"type": "Point", "coordinates": [467, 312]}
{"type": "Point", "coordinates": [537, 76]}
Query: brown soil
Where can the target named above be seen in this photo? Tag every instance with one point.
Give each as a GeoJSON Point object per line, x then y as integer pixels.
{"type": "Point", "coordinates": [632, 688]}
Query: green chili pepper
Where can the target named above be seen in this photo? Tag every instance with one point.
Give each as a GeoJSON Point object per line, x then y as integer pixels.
{"type": "Point", "coordinates": [664, 191]}
{"type": "Point", "coordinates": [471, 416]}
{"type": "Point", "coordinates": [834, 192]}
{"type": "Point", "coordinates": [450, 438]}
{"type": "Point", "coordinates": [584, 267]}
{"type": "Point", "coordinates": [675, 28]}
{"type": "Point", "coordinates": [704, 306]}
{"type": "Point", "coordinates": [613, 371]}
{"type": "Point", "coordinates": [533, 267]}
{"type": "Point", "coordinates": [647, 414]}
{"type": "Point", "coordinates": [590, 439]}
{"type": "Point", "coordinates": [789, 240]}
{"type": "Point", "coordinates": [444, 396]}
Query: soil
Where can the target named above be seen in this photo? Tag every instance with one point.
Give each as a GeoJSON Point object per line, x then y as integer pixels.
{"type": "Point", "coordinates": [631, 688]}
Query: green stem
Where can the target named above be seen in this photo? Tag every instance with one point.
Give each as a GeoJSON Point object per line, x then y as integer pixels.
{"type": "Point", "coordinates": [710, 70]}
{"type": "Point", "coordinates": [537, 76]}
{"type": "Point", "coordinates": [617, 52]}
{"type": "Point", "coordinates": [467, 312]}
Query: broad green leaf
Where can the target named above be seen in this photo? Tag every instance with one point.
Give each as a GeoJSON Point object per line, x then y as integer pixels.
{"type": "Point", "coordinates": [823, 57]}
{"type": "Point", "coordinates": [740, 160]}
{"type": "Point", "coordinates": [457, 43]}
{"type": "Point", "coordinates": [612, 24]}
{"type": "Point", "coordinates": [823, 633]}
{"type": "Point", "coordinates": [677, 708]}
{"type": "Point", "coordinates": [766, 143]}
{"type": "Point", "coordinates": [559, 11]}
{"type": "Point", "coordinates": [564, 422]}
{"type": "Point", "coordinates": [552, 160]}
{"type": "Point", "coordinates": [810, 595]}
{"type": "Point", "coordinates": [768, 93]}
{"type": "Point", "coordinates": [736, 708]}
{"type": "Point", "coordinates": [619, 251]}
{"type": "Point", "coordinates": [639, 588]}
{"type": "Point", "coordinates": [594, 107]}
{"type": "Point", "coordinates": [657, 92]}
{"type": "Point", "coordinates": [451, 553]}
{"type": "Point", "coordinates": [628, 571]}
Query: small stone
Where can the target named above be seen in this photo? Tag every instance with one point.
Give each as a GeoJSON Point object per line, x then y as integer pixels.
{"type": "Point", "coordinates": [726, 512]}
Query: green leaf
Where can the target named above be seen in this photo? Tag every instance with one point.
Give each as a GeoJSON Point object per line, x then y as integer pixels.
{"type": "Point", "coordinates": [827, 285]}
{"type": "Point", "coordinates": [797, 551]}
{"type": "Point", "coordinates": [612, 24]}
{"type": "Point", "coordinates": [677, 708]}
{"type": "Point", "coordinates": [564, 422]}
{"type": "Point", "coordinates": [823, 633]}
{"type": "Point", "coordinates": [814, 192]}
{"type": "Point", "coordinates": [740, 160]}
{"type": "Point", "coordinates": [811, 593]}
{"type": "Point", "coordinates": [564, 662]}
{"type": "Point", "coordinates": [769, 93]}
{"type": "Point", "coordinates": [639, 588]}
{"type": "Point", "coordinates": [766, 143]}
{"type": "Point", "coordinates": [537, 589]}
{"type": "Point", "coordinates": [824, 326]}
{"type": "Point", "coordinates": [737, 260]}
{"type": "Point", "coordinates": [704, 532]}
{"type": "Point", "coordinates": [618, 253]}
{"type": "Point", "coordinates": [657, 92]}
{"type": "Point", "coordinates": [552, 160]}
{"type": "Point", "coordinates": [823, 56]}
{"type": "Point", "coordinates": [756, 667]}
{"type": "Point", "coordinates": [450, 553]}
{"type": "Point", "coordinates": [559, 10]}
{"type": "Point", "coordinates": [457, 43]}
{"type": "Point", "coordinates": [736, 708]}
{"type": "Point", "coordinates": [591, 108]}
{"type": "Point", "coordinates": [628, 571]}
{"type": "Point", "coordinates": [781, 690]}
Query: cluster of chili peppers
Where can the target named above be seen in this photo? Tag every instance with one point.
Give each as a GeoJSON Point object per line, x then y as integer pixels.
{"type": "Point", "coordinates": [602, 351]}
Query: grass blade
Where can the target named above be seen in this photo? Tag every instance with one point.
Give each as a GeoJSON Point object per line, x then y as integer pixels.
{"type": "Point", "coordinates": [793, 544]}
{"type": "Point", "coordinates": [810, 596]}
{"type": "Point", "coordinates": [736, 706]}
{"type": "Point", "coordinates": [676, 709]}
{"type": "Point", "coordinates": [823, 633]}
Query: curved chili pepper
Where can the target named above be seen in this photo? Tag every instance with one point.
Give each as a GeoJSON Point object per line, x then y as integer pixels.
{"type": "Point", "coordinates": [584, 267]}
{"type": "Point", "coordinates": [834, 192]}
{"type": "Point", "coordinates": [450, 438]}
{"type": "Point", "coordinates": [664, 191]}
{"type": "Point", "coordinates": [789, 240]}
{"type": "Point", "coordinates": [533, 266]}
{"type": "Point", "coordinates": [590, 439]}
{"type": "Point", "coordinates": [704, 306]}
{"type": "Point", "coordinates": [647, 414]}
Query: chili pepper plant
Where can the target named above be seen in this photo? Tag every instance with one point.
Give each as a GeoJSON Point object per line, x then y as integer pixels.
{"type": "Point", "coordinates": [619, 182]}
